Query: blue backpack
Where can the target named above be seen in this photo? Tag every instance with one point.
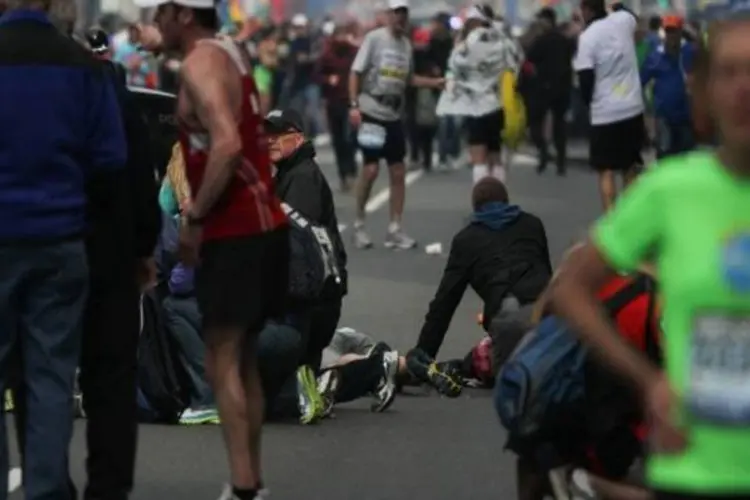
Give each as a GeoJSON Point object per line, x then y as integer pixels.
{"type": "Point", "coordinates": [545, 376]}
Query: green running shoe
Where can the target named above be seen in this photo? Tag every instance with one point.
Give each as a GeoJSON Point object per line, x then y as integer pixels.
{"type": "Point", "coordinates": [312, 408]}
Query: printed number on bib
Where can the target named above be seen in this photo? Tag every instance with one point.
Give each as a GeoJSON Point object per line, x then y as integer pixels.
{"type": "Point", "coordinates": [371, 136]}
{"type": "Point", "coordinates": [719, 383]}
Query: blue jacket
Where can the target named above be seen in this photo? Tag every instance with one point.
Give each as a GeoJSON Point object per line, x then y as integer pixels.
{"type": "Point", "coordinates": [671, 100]}
{"type": "Point", "coordinates": [61, 127]}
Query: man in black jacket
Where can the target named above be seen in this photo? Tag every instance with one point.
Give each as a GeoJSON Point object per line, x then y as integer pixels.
{"type": "Point", "coordinates": [502, 253]}
{"type": "Point", "coordinates": [301, 185]}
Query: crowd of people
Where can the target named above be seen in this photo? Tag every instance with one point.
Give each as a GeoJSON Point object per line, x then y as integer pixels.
{"type": "Point", "coordinates": [227, 277]}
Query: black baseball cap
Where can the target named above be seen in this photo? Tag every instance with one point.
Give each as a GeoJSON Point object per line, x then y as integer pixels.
{"type": "Point", "coordinates": [278, 121]}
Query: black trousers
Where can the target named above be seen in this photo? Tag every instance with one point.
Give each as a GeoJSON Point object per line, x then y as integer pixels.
{"type": "Point", "coordinates": [324, 319]}
{"type": "Point", "coordinates": [108, 380]}
{"type": "Point", "coordinates": [539, 106]}
{"type": "Point", "coordinates": [342, 138]}
{"type": "Point", "coordinates": [359, 378]}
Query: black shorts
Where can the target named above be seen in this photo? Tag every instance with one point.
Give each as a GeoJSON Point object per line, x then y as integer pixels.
{"type": "Point", "coordinates": [242, 282]}
{"type": "Point", "coordinates": [664, 495]}
{"type": "Point", "coordinates": [617, 146]}
{"type": "Point", "coordinates": [393, 150]}
{"type": "Point", "coordinates": [485, 130]}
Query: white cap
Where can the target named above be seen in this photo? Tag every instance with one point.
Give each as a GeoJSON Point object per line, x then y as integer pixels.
{"type": "Point", "coordinates": [299, 20]}
{"type": "Point", "coordinates": [398, 4]}
{"type": "Point", "coordinates": [193, 4]}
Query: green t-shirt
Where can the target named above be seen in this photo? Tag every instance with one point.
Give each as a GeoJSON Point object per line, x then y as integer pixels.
{"type": "Point", "coordinates": [263, 79]}
{"type": "Point", "coordinates": [692, 219]}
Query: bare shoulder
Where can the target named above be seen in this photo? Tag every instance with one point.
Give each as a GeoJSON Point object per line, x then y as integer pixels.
{"type": "Point", "coordinates": [207, 62]}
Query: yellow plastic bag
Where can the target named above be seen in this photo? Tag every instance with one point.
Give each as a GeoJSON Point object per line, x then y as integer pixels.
{"type": "Point", "coordinates": [514, 129]}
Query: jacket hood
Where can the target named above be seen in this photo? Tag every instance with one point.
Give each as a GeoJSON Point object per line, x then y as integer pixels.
{"type": "Point", "coordinates": [496, 215]}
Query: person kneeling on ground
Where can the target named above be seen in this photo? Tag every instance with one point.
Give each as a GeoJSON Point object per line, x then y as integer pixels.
{"type": "Point", "coordinates": [502, 253]}
{"type": "Point", "coordinates": [600, 452]}
{"type": "Point", "coordinates": [309, 326]}
{"type": "Point", "coordinates": [181, 312]}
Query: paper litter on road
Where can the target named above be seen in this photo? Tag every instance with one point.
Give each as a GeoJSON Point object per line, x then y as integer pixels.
{"type": "Point", "coordinates": [434, 249]}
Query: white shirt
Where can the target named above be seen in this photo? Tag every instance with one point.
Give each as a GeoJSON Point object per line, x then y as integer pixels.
{"type": "Point", "coordinates": [607, 46]}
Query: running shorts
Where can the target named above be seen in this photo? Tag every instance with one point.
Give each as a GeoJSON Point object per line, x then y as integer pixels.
{"type": "Point", "coordinates": [617, 146]}
{"type": "Point", "coordinates": [242, 281]}
{"type": "Point", "coordinates": [486, 130]}
{"type": "Point", "coordinates": [393, 150]}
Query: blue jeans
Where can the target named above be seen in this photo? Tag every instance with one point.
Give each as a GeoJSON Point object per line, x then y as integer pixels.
{"type": "Point", "coordinates": [184, 323]}
{"type": "Point", "coordinates": [281, 347]}
{"type": "Point", "coordinates": [43, 291]}
{"type": "Point", "coordinates": [673, 139]}
{"type": "Point", "coordinates": [449, 138]}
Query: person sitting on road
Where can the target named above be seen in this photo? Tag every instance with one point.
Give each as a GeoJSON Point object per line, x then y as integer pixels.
{"type": "Point", "coordinates": [501, 253]}
{"type": "Point", "coordinates": [181, 312]}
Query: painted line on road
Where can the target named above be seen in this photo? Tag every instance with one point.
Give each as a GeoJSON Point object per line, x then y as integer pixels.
{"type": "Point", "coordinates": [14, 479]}
{"type": "Point", "coordinates": [381, 198]}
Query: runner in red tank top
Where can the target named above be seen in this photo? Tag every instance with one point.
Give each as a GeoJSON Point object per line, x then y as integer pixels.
{"type": "Point", "coordinates": [235, 224]}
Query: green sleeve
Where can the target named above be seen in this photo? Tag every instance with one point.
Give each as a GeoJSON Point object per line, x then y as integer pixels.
{"type": "Point", "coordinates": [168, 198]}
{"type": "Point", "coordinates": [630, 233]}
{"type": "Point", "coordinates": [263, 79]}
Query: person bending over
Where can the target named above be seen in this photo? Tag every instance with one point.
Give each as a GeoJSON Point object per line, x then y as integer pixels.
{"type": "Point", "coordinates": [501, 253]}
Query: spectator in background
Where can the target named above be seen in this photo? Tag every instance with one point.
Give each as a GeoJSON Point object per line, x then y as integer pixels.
{"type": "Point", "coordinates": [180, 305]}
{"type": "Point", "coordinates": [66, 149]}
{"type": "Point", "coordinates": [303, 94]}
{"type": "Point", "coordinates": [137, 61]}
{"type": "Point", "coordinates": [440, 48]}
{"type": "Point", "coordinates": [549, 87]}
{"type": "Point", "coordinates": [668, 68]}
{"type": "Point", "coordinates": [118, 268]}
{"type": "Point", "coordinates": [266, 65]}
{"type": "Point", "coordinates": [338, 56]}
{"type": "Point", "coordinates": [421, 103]}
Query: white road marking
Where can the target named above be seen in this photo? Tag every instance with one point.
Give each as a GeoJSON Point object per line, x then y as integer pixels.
{"type": "Point", "coordinates": [381, 198]}
{"type": "Point", "coordinates": [14, 479]}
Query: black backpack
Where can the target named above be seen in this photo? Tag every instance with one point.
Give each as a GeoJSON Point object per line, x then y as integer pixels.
{"type": "Point", "coordinates": [312, 258]}
{"type": "Point", "coordinates": [161, 378]}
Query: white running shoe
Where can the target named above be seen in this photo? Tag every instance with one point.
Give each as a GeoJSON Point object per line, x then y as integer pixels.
{"type": "Point", "coordinates": [386, 391]}
{"type": "Point", "coordinates": [399, 240]}
{"type": "Point", "coordinates": [361, 238]}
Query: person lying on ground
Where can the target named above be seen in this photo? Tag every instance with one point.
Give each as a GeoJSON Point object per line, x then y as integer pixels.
{"type": "Point", "coordinates": [502, 252]}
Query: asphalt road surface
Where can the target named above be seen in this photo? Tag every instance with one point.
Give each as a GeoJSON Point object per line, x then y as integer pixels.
{"type": "Point", "coordinates": [424, 447]}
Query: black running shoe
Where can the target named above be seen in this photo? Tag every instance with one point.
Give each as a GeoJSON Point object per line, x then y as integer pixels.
{"type": "Point", "coordinates": [445, 380]}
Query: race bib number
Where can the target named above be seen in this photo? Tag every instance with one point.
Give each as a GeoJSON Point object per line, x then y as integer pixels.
{"type": "Point", "coordinates": [719, 384]}
{"type": "Point", "coordinates": [371, 136]}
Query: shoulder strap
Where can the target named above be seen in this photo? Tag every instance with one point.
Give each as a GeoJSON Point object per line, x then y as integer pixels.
{"type": "Point", "coordinates": [626, 295]}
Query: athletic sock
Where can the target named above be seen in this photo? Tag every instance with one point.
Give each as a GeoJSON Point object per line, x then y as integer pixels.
{"type": "Point", "coordinates": [243, 494]}
{"type": "Point", "coordinates": [359, 224]}
{"type": "Point", "coordinates": [394, 227]}
{"type": "Point", "coordinates": [479, 172]}
{"type": "Point", "coordinates": [498, 172]}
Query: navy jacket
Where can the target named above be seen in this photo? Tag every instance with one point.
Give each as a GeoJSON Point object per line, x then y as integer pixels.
{"type": "Point", "coordinates": [61, 129]}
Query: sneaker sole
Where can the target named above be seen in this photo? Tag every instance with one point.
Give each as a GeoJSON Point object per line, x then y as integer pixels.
{"type": "Point", "coordinates": [201, 421]}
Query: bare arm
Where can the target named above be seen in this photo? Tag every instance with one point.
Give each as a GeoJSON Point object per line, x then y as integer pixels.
{"type": "Point", "coordinates": [205, 79]}
{"type": "Point", "coordinates": [427, 81]}
{"type": "Point", "coordinates": [354, 85]}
